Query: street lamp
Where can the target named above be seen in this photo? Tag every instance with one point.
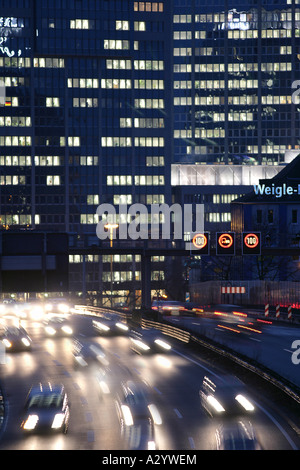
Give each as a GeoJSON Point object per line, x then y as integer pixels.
{"type": "Point", "coordinates": [111, 227]}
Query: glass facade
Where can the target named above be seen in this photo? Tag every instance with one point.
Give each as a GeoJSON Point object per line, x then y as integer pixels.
{"type": "Point", "coordinates": [84, 121]}
{"type": "Point", "coordinates": [234, 65]}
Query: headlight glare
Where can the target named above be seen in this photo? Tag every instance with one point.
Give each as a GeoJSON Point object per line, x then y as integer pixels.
{"type": "Point", "coordinates": [58, 421]}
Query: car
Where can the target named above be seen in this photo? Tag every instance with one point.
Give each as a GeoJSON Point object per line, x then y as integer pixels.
{"type": "Point", "coordinates": [137, 416]}
{"type": "Point", "coordinates": [8, 307]}
{"type": "Point", "coordinates": [109, 377]}
{"type": "Point", "coordinates": [225, 395]}
{"type": "Point", "coordinates": [58, 326]}
{"type": "Point", "coordinates": [110, 326]}
{"type": "Point", "coordinates": [238, 435]}
{"type": "Point", "coordinates": [87, 353]}
{"type": "Point", "coordinates": [46, 409]}
{"type": "Point", "coordinates": [16, 339]}
{"type": "Point", "coordinates": [149, 341]}
{"type": "Point", "coordinates": [57, 306]}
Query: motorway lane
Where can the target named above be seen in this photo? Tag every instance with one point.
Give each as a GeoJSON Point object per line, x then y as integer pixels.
{"type": "Point", "coordinates": [271, 347]}
{"type": "Point", "coordinates": [174, 380]}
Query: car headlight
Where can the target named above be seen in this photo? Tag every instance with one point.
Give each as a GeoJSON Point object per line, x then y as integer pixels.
{"type": "Point", "coordinates": [151, 445]}
{"type": "Point", "coordinates": [122, 326]}
{"type": "Point", "coordinates": [31, 422]}
{"type": "Point", "coordinates": [104, 387]}
{"type": "Point", "coordinates": [50, 330]}
{"type": "Point", "coordinates": [58, 421]}
{"type": "Point", "coordinates": [155, 414]}
{"type": "Point", "coordinates": [128, 419]}
{"type": "Point", "coordinates": [101, 326]}
{"type": "Point", "coordinates": [67, 329]}
{"type": "Point", "coordinates": [26, 342]}
{"type": "Point", "coordinates": [63, 308]}
{"type": "Point", "coordinates": [215, 404]}
{"type": "Point", "coordinates": [162, 344]}
{"type": "Point", "coordinates": [141, 345]}
{"type": "Point", "coordinates": [244, 402]}
{"type": "Point", "coordinates": [7, 343]}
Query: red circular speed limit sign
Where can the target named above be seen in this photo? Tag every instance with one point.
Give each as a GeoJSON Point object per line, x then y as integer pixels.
{"type": "Point", "coordinates": [251, 240]}
{"type": "Point", "coordinates": [199, 240]}
{"type": "Point", "coordinates": [225, 240]}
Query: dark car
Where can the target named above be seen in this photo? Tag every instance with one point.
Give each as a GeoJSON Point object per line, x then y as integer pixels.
{"type": "Point", "coordinates": [225, 396]}
{"type": "Point", "coordinates": [239, 435]}
{"type": "Point", "coordinates": [58, 326]}
{"type": "Point", "coordinates": [137, 416]}
{"type": "Point", "coordinates": [87, 353]}
{"type": "Point", "coordinates": [111, 326]}
{"type": "Point", "coordinates": [46, 409]}
{"type": "Point", "coordinates": [148, 341]}
{"type": "Point", "coordinates": [16, 339]}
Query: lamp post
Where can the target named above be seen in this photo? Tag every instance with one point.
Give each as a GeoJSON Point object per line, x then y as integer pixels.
{"type": "Point", "coordinates": [111, 227]}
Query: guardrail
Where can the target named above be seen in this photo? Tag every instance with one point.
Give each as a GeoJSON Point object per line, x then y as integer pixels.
{"type": "Point", "coordinates": [189, 337]}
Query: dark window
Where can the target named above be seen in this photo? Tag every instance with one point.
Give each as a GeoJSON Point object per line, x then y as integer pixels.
{"type": "Point", "coordinates": [259, 216]}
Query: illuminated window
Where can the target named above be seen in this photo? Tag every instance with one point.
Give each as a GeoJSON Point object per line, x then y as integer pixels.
{"type": "Point", "coordinates": [117, 44]}
{"type": "Point", "coordinates": [52, 102]}
{"type": "Point", "coordinates": [47, 160]}
{"type": "Point", "coordinates": [122, 199]}
{"type": "Point", "coordinates": [118, 64]}
{"type": "Point", "coordinates": [149, 103]}
{"type": "Point", "coordinates": [53, 180]}
{"type": "Point", "coordinates": [90, 219]}
{"type": "Point", "coordinates": [119, 180]}
{"type": "Point", "coordinates": [92, 199]}
{"type": "Point", "coordinates": [48, 62]}
{"type": "Point", "coordinates": [72, 141]}
{"type": "Point", "coordinates": [82, 24]}
{"type": "Point", "coordinates": [149, 142]}
{"type": "Point", "coordinates": [116, 141]}
{"type": "Point", "coordinates": [155, 161]}
{"type": "Point", "coordinates": [139, 26]}
{"type": "Point", "coordinates": [122, 25]}
{"type": "Point", "coordinates": [85, 102]}
{"type": "Point", "coordinates": [88, 161]}
{"type": "Point", "coordinates": [115, 83]}
{"type": "Point", "coordinates": [83, 83]}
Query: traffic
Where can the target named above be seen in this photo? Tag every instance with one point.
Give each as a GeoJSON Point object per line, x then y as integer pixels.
{"type": "Point", "coordinates": [97, 382]}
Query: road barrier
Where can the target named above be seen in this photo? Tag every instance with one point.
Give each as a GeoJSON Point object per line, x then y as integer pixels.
{"type": "Point", "coordinates": [190, 337]}
{"type": "Point", "coordinates": [267, 309]}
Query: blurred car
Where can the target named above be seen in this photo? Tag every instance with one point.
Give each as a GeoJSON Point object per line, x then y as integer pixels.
{"type": "Point", "coordinates": [168, 307]}
{"type": "Point", "coordinates": [46, 409]}
{"type": "Point", "coordinates": [236, 436]}
{"type": "Point", "coordinates": [58, 326]}
{"type": "Point", "coordinates": [8, 307]}
{"type": "Point", "coordinates": [109, 377]}
{"type": "Point", "coordinates": [87, 353]}
{"type": "Point", "coordinates": [57, 306]}
{"type": "Point", "coordinates": [110, 326]}
{"type": "Point", "coordinates": [16, 339]}
{"type": "Point", "coordinates": [149, 341]}
{"type": "Point", "coordinates": [137, 416]}
{"type": "Point", "coordinates": [225, 395]}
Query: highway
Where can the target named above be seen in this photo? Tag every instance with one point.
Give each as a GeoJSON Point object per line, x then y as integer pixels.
{"type": "Point", "coordinates": [271, 343]}
{"type": "Point", "coordinates": [173, 380]}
